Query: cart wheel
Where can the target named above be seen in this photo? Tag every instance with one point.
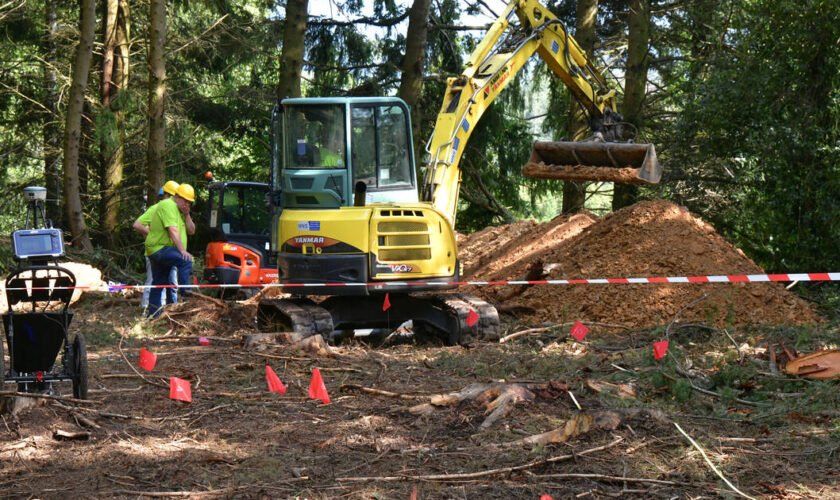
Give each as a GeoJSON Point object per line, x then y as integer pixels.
{"type": "Point", "coordinates": [80, 367]}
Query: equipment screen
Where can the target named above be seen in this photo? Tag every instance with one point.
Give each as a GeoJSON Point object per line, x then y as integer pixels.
{"type": "Point", "coordinates": [35, 243]}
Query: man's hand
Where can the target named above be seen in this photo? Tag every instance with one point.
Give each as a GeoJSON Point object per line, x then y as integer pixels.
{"type": "Point", "coordinates": [140, 228]}
{"type": "Point", "coordinates": [175, 236]}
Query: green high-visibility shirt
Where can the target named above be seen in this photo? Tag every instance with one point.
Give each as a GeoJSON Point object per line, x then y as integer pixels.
{"type": "Point", "coordinates": [146, 218]}
{"type": "Point", "coordinates": [166, 214]}
{"type": "Point", "coordinates": [331, 159]}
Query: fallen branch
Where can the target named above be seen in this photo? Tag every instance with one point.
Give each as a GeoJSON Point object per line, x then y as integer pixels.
{"type": "Point", "coordinates": [582, 423]}
{"type": "Point", "coordinates": [497, 398]}
{"type": "Point", "coordinates": [491, 472]}
{"type": "Point", "coordinates": [60, 434]}
{"type": "Point", "coordinates": [612, 479]}
{"type": "Point", "coordinates": [557, 325]}
{"type": "Point", "coordinates": [49, 396]}
{"type": "Point", "coordinates": [150, 382]}
{"type": "Point", "coordinates": [709, 462]}
{"type": "Point", "coordinates": [378, 392]}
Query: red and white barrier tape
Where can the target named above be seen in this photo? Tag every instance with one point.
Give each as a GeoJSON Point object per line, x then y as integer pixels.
{"type": "Point", "coordinates": [737, 278]}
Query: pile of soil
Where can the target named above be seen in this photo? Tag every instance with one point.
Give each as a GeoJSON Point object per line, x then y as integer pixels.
{"type": "Point", "coordinates": [649, 239]}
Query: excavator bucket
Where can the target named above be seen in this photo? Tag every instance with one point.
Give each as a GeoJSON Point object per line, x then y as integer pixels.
{"type": "Point", "coordinates": [594, 161]}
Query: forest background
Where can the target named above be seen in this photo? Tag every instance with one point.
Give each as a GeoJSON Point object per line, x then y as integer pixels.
{"type": "Point", "coordinates": [103, 100]}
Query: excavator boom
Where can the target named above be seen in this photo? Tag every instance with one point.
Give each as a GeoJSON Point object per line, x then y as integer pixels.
{"type": "Point", "coordinates": [493, 64]}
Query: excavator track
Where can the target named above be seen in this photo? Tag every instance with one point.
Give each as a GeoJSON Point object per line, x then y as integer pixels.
{"type": "Point", "coordinates": [298, 315]}
{"type": "Point", "coordinates": [459, 305]}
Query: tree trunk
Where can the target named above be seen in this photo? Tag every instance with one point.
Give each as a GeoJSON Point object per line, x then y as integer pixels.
{"type": "Point", "coordinates": [114, 79]}
{"type": "Point", "coordinates": [72, 129]}
{"type": "Point", "coordinates": [291, 56]}
{"type": "Point", "coordinates": [635, 81]}
{"type": "Point", "coordinates": [156, 148]}
{"type": "Point", "coordinates": [52, 126]}
{"type": "Point", "coordinates": [574, 193]}
{"type": "Point", "coordinates": [411, 82]}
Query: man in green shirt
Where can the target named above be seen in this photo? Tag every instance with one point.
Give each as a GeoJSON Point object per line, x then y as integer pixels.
{"type": "Point", "coordinates": [166, 243]}
{"type": "Point", "coordinates": [141, 225]}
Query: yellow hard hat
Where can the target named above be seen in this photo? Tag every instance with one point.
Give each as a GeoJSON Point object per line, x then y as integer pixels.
{"type": "Point", "coordinates": [186, 192]}
{"type": "Point", "coordinates": [171, 187]}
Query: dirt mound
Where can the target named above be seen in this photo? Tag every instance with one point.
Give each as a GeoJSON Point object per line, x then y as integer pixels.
{"type": "Point", "coordinates": [648, 239]}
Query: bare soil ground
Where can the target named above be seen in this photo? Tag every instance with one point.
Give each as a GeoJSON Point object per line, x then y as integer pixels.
{"type": "Point", "coordinates": [769, 434]}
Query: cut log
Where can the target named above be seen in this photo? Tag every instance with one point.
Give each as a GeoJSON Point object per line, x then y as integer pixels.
{"type": "Point", "coordinates": [497, 399]}
{"type": "Point", "coordinates": [314, 344]}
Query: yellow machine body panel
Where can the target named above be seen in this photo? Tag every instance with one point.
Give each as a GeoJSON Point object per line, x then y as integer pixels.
{"type": "Point", "coordinates": [319, 232]}
{"type": "Point", "coordinates": [411, 241]}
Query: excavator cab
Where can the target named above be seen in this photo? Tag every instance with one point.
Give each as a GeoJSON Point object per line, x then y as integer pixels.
{"type": "Point", "coordinates": [340, 152]}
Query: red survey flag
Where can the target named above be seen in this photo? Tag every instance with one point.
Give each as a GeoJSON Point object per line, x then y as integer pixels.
{"type": "Point", "coordinates": [387, 304]}
{"type": "Point", "coordinates": [180, 389]}
{"type": "Point", "coordinates": [579, 331]}
{"type": "Point", "coordinates": [472, 317]}
{"type": "Point", "coordinates": [203, 341]}
{"type": "Point", "coordinates": [147, 359]}
{"type": "Point", "coordinates": [274, 384]}
{"type": "Point", "coordinates": [317, 389]}
{"type": "Point", "coordinates": [546, 497]}
{"type": "Point", "coordinates": [659, 349]}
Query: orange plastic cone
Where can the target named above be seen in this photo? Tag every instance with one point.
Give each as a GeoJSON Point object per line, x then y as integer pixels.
{"type": "Point", "coordinates": [147, 359]}
{"type": "Point", "coordinates": [387, 304]}
{"type": "Point", "coordinates": [180, 389]}
{"type": "Point", "coordinates": [274, 384]}
{"type": "Point", "coordinates": [317, 389]}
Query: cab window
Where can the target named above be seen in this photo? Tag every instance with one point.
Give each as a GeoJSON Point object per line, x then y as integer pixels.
{"type": "Point", "coordinates": [315, 136]}
{"type": "Point", "coordinates": [381, 152]}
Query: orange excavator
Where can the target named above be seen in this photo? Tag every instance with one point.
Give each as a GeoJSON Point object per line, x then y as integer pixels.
{"type": "Point", "coordinates": [238, 253]}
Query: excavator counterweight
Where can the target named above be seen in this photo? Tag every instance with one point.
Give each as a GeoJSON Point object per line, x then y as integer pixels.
{"type": "Point", "coordinates": [594, 161]}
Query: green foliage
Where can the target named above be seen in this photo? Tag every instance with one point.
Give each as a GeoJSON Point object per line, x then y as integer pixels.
{"type": "Point", "coordinates": [759, 129]}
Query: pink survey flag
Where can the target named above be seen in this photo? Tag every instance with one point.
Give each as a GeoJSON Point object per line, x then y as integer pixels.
{"type": "Point", "coordinates": [147, 359]}
{"type": "Point", "coordinates": [179, 389]}
{"type": "Point", "coordinates": [659, 349]}
{"type": "Point", "coordinates": [579, 331]}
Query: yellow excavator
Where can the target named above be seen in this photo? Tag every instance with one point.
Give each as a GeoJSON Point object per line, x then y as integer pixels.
{"type": "Point", "coordinates": [350, 223]}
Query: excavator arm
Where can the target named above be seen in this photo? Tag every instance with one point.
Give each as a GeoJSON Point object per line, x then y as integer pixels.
{"type": "Point", "coordinates": [505, 49]}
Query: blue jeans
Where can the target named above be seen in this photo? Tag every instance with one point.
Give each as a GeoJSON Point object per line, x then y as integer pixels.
{"type": "Point", "coordinates": [162, 261]}
{"type": "Point", "coordinates": [170, 292]}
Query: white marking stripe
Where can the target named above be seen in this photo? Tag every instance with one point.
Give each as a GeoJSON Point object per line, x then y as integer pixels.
{"type": "Point", "coordinates": [835, 276]}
